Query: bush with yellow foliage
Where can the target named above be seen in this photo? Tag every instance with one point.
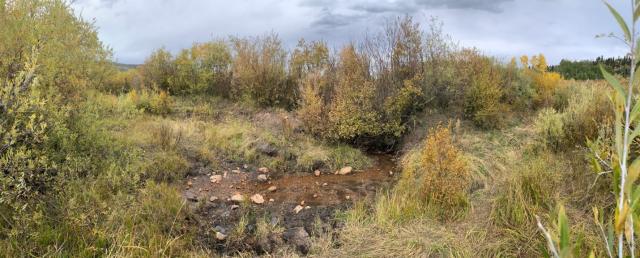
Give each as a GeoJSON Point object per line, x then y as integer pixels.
{"type": "Point", "coordinates": [439, 175]}
{"type": "Point", "coordinates": [544, 82]}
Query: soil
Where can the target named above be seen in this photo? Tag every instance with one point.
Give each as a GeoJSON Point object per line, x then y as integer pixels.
{"type": "Point", "coordinates": [321, 196]}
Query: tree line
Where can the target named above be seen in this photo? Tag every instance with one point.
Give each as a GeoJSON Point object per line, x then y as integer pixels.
{"type": "Point", "coordinates": [590, 69]}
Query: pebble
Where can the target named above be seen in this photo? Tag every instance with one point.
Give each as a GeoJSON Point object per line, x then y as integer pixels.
{"type": "Point", "coordinates": [213, 198]}
{"type": "Point", "coordinates": [344, 171]}
{"type": "Point", "coordinates": [233, 207]}
{"type": "Point", "coordinates": [237, 197]}
{"type": "Point", "coordinates": [325, 184]}
{"type": "Point", "coordinates": [317, 172]}
{"type": "Point", "coordinates": [216, 179]}
{"type": "Point", "coordinates": [263, 170]}
{"type": "Point", "coordinates": [257, 199]}
{"type": "Point", "coordinates": [297, 209]}
{"type": "Point", "coordinates": [272, 188]}
{"type": "Point", "coordinates": [220, 236]}
{"type": "Point", "coordinates": [262, 178]}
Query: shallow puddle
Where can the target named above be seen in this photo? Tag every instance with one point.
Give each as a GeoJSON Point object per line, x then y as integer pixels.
{"type": "Point", "coordinates": [328, 189]}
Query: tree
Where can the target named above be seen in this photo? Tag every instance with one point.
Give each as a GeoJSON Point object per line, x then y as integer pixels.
{"type": "Point", "coordinates": [158, 69]}
{"type": "Point", "coordinates": [352, 113]}
{"type": "Point", "coordinates": [259, 72]}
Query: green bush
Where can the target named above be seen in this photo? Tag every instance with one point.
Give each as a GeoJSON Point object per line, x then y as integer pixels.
{"type": "Point", "coordinates": [586, 111]}
{"type": "Point", "coordinates": [550, 127]}
{"type": "Point", "coordinates": [483, 99]}
{"type": "Point", "coordinates": [259, 72]}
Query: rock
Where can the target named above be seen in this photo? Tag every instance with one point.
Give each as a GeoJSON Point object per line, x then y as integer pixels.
{"type": "Point", "coordinates": [263, 170]}
{"type": "Point", "coordinates": [302, 203]}
{"type": "Point", "coordinates": [233, 207]}
{"type": "Point", "coordinates": [220, 236]}
{"type": "Point", "coordinates": [237, 171]}
{"type": "Point", "coordinates": [257, 199]}
{"type": "Point", "coordinates": [272, 188]}
{"type": "Point", "coordinates": [315, 195]}
{"type": "Point", "coordinates": [325, 184]}
{"type": "Point", "coordinates": [216, 179]}
{"type": "Point", "coordinates": [191, 197]}
{"type": "Point", "coordinates": [267, 149]}
{"type": "Point", "coordinates": [245, 166]}
{"type": "Point", "coordinates": [237, 197]}
{"type": "Point", "coordinates": [225, 174]}
{"type": "Point", "coordinates": [297, 209]}
{"type": "Point", "coordinates": [307, 207]}
{"type": "Point", "coordinates": [213, 199]}
{"type": "Point", "coordinates": [317, 172]}
{"type": "Point", "coordinates": [220, 229]}
{"type": "Point", "coordinates": [391, 173]}
{"type": "Point", "coordinates": [272, 200]}
{"type": "Point", "coordinates": [344, 171]}
{"type": "Point", "coordinates": [299, 238]}
{"type": "Point", "coordinates": [189, 183]}
{"type": "Point", "coordinates": [347, 197]}
{"type": "Point", "coordinates": [262, 178]}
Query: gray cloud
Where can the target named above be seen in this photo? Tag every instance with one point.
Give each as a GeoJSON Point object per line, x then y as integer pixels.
{"type": "Point", "coordinates": [505, 28]}
{"type": "Point", "coordinates": [484, 5]}
{"type": "Point", "coordinates": [329, 20]}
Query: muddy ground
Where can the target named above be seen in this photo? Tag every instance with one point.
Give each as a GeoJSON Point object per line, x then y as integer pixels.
{"type": "Point", "coordinates": [317, 198]}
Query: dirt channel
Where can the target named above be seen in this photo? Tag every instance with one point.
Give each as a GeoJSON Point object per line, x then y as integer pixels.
{"type": "Point", "coordinates": [294, 202]}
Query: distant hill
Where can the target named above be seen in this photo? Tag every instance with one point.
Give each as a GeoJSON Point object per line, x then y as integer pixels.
{"type": "Point", "coordinates": [124, 67]}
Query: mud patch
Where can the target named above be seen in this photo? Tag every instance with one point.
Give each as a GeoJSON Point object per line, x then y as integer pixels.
{"type": "Point", "coordinates": [318, 196]}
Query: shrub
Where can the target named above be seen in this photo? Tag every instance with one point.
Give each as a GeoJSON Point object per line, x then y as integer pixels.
{"type": "Point", "coordinates": [545, 83]}
{"type": "Point", "coordinates": [259, 73]}
{"type": "Point", "coordinates": [312, 110]}
{"type": "Point", "coordinates": [124, 81]}
{"type": "Point", "coordinates": [71, 57]}
{"type": "Point", "coordinates": [154, 102]}
{"type": "Point", "coordinates": [438, 176]}
{"type": "Point", "coordinates": [586, 111]}
{"type": "Point", "coordinates": [27, 167]}
{"type": "Point", "coordinates": [160, 103]}
{"type": "Point", "coordinates": [352, 113]}
{"type": "Point", "coordinates": [445, 174]}
{"type": "Point", "coordinates": [158, 70]}
{"type": "Point", "coordinates": [167, 166]}
{"type": "Point", "coordinates": [549, 126]}
{"type": "Point", "coordinates": [204, 68]}
{"type": "Point", "coordinates": [483, 99]}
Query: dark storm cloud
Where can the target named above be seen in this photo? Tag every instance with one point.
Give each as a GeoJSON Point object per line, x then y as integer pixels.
{"type": "Point", "coordinates": [504, 28]}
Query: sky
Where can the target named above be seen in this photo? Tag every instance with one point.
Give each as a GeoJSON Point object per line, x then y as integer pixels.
{"type": "Point", "coordinates": [560, 29]}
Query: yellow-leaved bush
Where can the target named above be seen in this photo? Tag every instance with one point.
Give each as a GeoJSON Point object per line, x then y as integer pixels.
{"type": "Point", "coordinates": [545, 83]}
{"type": "Point", "coordinates": [438, 176]}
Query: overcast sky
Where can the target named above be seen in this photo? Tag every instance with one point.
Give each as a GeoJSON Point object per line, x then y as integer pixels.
{"type": "Point", "coordinates": [503, 28]}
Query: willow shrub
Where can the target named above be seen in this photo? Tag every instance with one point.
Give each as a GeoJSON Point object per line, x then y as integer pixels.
{"type": "Point", "coordinates": [437, 177]}
{"type": "Point", "coordinates": [586, 112]}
